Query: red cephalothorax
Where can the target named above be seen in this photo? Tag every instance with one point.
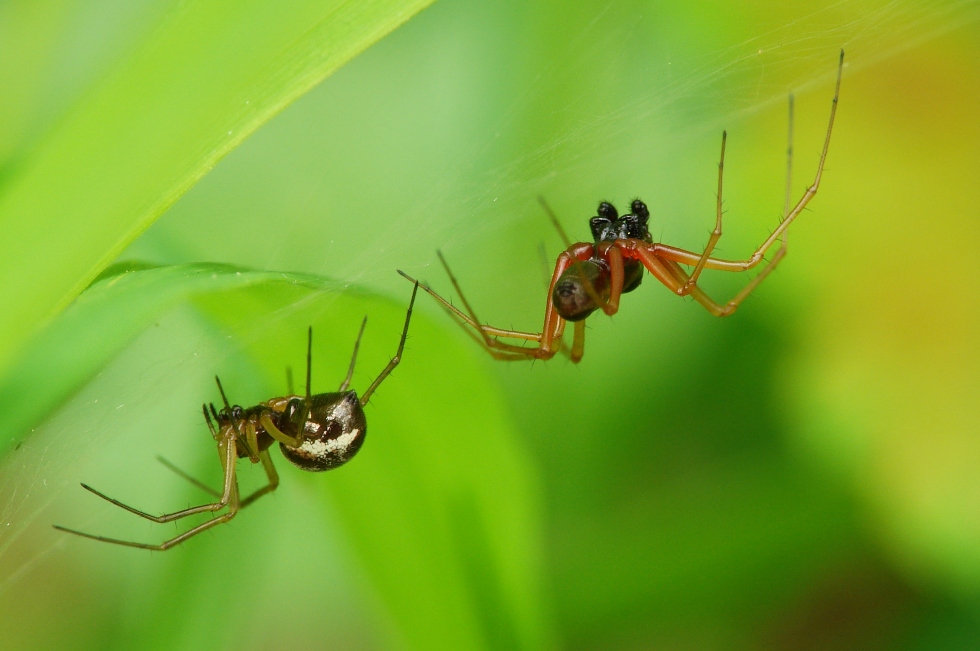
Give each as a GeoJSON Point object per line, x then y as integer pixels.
{"type": "Point", "coordinates": [590, 276]}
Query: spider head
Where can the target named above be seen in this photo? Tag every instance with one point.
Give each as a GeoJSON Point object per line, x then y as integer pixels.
{"type": "Point", "coordinates": [578, 288]}
{"type": "Point", "coordinates": [333, 428]}
{"type": "Point", "coordinates": [608, 226]}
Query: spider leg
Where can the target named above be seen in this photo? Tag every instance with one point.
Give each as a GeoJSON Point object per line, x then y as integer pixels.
{"type": "Point", "coordinates": [688, 258]}
{"type": "Point", "coordinates": [251, 436]}
{"type": "Point", "coordinates": [207, 419]}
{"type": "Point", "coordinates": [729, 308]}
{"type": "Point", "coordinates": [655, 265]}
{"type": "Point", "coordinates": [229, 498]}
{"type": "Point", "coordinates": [698, 294]}
{"type": "Point", "coordinates": [353, 358]}
{"type": "Point", "coordinates": [549, 340]}
{"type": "Point", "coordinates": [291, 441]}
{"type": "Point", "coordinates": [716, 233]}
{"type": "Point", "coordinates": [789, 158]}
{"type": "Point", "coordinates": [227, 448]}
{"type": "Point", "coordinates": [453, 310]}
{"type": "Point", "coordinates": [689, 287]}
{"type": "Point", "coordinates": [164, 546]}
{"type": "Point", "coordinates": [200, 484]}
{"type": "Point", "coordinates": [270, 473]}
{"type": "Point", "coordinates": [675, 278]}
{"type": "Point", "coordinates": [496, 354]}
{"type": "Point", "coordinates": [614, 257]}
{"type": "Point", "coordinates": [398, 355]}
{"type": "Point", "coordinates": [783, 239]}
{"type": "Point", "coordinates": [239, 438]}
{"type": "Point", "coordinates": [578, 342]}
{"type": "Point", "coordinates": [309, 361]}
{"type": "Point", "coordinates": [546, 278]}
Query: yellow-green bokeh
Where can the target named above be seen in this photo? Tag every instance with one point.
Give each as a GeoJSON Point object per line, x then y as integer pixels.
{"type": "Point", "coordinates": [802, 475]}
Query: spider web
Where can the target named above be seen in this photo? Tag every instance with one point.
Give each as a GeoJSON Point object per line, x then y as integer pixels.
{"type": "Point", "coordinates": [483, 192]}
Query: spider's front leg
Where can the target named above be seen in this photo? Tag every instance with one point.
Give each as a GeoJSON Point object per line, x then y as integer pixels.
{"type": "Point", "coordinates": [228, 452]}
{"type": "Point", "coordinates": [612, 253]}
{"type": "Point", "coordinates": [549, 340]}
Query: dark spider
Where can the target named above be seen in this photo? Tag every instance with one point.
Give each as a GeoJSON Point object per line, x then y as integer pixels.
{"type": "Point", "coordinates": [315, 432]}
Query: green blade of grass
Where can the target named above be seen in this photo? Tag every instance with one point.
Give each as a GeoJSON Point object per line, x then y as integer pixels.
{"type": "Point", "coordinates": [211, 73]}
{"type": "Point", "coordinates": [103, 320]}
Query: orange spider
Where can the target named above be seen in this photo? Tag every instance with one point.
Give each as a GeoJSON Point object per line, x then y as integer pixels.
{"type": "Point", "coordinates": [594, 275]}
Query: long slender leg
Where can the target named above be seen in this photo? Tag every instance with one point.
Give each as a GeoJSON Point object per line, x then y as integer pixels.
{"type": "Point", "coordinates": [228, 463]}
{"type": "Point", "coordinates": [207, 419]}
{"type": "Point", "coordinates": [578, 341]}
{"type": "Point", "coordinates": [267, 422]}
{"type": "Point", "coordinates": [229, 497]}
{"type": "Point", "coordinates": [733, 304]}
{"type": "Point", "coordinates": [789, 159]}
{"type": "Point", "coordinates": [674, 277]}
{"type": "Point", "coordinates": [716, 233]}
{"type": "Point", "coordinates": [353, 358]}
{"type": "Point", "coordinates": [783, 239]}
{"type": "Point", "coordinates": [221, 390]}
{"type": "Point", "coordinates": [239, 437]}
{"type": "Point", "coordinates": [554, 222]}
{"type": "Point", "coordinates": [309, 360]}
{"type": "Point", "coordinates": [709, 304]}
{"type": "Point", "coordinates": [496, 354]}
{"type": "Point", "coordinates": [549, 340]}
{"type": "Point", "coordinates": [398, 355]}
{"type": "Point", "coordinates": [698, 294]}
{"type": "Point", "coordinates": [200, 484]}
{"type": "Point", "coordinates": [686, 257]}
{"type": "Point", "coordinates": [452, 309]}
{"type": "Point", "coordinates": [270, 473]}
{"type": "Point", "coordinates": [781, 252]}
{"type": "Point", "coordinates": [475, 321]}
{"type": "Point", "coordinates": [173, 542]}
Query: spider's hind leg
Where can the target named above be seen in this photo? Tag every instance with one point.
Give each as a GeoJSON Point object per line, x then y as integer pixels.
{"type": "Point", "coordinates": [716, 233]}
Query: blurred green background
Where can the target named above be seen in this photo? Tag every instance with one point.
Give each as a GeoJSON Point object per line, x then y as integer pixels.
{"type": "Point", "coordinates": [802, 475]}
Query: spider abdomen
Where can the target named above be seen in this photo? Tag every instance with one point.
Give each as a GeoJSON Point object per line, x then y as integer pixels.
{"type": "Point", "coordinates": [332, 434]}
{"type": "Point", "coordinates": [578, 288]}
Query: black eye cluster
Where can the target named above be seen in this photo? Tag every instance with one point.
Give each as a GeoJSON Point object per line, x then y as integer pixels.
{"type": "Point", "coordinates": [608, 226]}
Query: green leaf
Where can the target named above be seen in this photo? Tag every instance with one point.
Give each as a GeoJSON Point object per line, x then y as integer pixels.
{"type": "Point", "coordinates": [98, 325]}
{"type": "Point", "coordinates": [212, 72]}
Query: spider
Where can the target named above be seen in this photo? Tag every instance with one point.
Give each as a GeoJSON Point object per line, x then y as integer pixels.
{"type": "Point", "coordinates": [315, 432]}
{"type": "Point", "coordinates": [593, 275]}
